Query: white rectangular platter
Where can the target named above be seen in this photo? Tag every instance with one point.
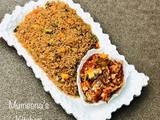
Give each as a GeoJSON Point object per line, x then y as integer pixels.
{"type": "Point", "coordinates": [134, 82]}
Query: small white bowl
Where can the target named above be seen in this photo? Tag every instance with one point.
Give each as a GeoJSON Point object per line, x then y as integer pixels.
{"type": "Point", "coordinates": [111, 57]}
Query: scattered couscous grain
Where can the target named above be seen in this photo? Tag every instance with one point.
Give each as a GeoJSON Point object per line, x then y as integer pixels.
{"type": "Point", "coordinates": [57, 38]}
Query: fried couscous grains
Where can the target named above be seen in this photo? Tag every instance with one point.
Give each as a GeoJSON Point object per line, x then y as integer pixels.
{"type": "Point", "coordinates": [57, 38]}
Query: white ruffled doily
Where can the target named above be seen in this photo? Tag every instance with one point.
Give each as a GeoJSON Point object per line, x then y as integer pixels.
{"type": "Point", "coordinates": [134, 82]}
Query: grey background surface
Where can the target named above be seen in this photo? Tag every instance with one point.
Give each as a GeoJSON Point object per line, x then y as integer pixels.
{"type": "Point", "coordinates": [133, 26]}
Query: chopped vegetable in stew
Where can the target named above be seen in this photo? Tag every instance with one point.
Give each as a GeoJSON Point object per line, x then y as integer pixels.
{"type": "Point", "coordinates": [101, 78]}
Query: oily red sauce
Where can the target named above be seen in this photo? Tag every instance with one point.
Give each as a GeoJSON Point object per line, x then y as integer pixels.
{"type": "Point", "coordinates": [101, 78]}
